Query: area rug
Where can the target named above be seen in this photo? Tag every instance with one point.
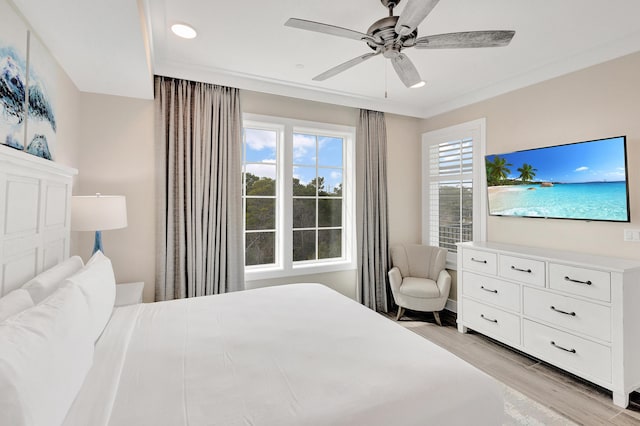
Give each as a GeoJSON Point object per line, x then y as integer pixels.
{"type": "Point", "coordinates": [519, 410]}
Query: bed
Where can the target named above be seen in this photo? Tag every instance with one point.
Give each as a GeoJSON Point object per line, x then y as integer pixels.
{"type": "Point", "coordinates": [298, 354]}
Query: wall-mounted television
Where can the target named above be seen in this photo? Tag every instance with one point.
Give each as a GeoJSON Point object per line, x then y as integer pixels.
{"type": "Point", "coordinates": [584, 180]}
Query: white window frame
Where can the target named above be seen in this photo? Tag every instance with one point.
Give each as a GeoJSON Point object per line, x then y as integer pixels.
{"type": "Point", "coordinates": [476, 130]}
{"type": "Point", "coordinates": [284, 266]}
{"type": "Point", "coordinates": [279, 130]}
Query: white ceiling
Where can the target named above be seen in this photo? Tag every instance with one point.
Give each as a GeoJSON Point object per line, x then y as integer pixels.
{"type": "Point", "coordinates": [103, 46]}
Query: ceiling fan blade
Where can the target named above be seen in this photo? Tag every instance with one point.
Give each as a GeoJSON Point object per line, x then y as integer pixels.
{"type": "Point", "coordinates": [413, 14]}
{"type": "Point", "coordinates": [406, 70]}
{"type": "Point", "coordinates": [465, 40]}
{"type": "Point", "coordinates": [324, 28]}
{"type": "Point", "coordinates": [344, 66]}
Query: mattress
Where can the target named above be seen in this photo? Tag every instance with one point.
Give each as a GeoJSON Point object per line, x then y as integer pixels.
{"type": "Point", "coordinates": [298, 354]}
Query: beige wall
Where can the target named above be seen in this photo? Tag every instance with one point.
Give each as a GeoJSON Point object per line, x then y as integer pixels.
{"type": "Point", "coordinates": [117, 158]}
{"type": "Point", "coordinates": [404, 179]}
{"type": "Point", "coordinates": [597, 102]}
{"type": "Point", "coordinates": [67, 148]}
{"type": "Point", "coordinates": [403, 169]}
{"type": "Point", "coordinates": [298, 109]}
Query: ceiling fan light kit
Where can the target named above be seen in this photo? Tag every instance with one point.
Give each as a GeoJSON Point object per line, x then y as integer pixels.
{"type": "Point", "coordinates": [390, 35]}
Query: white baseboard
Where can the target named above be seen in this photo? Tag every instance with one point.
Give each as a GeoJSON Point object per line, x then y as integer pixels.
{"type": "Point", "coordinates": [451, 305]}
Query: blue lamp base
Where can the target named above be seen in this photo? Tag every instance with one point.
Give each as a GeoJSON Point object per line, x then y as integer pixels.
{"type": "Point", "coordinates": [97, 245]}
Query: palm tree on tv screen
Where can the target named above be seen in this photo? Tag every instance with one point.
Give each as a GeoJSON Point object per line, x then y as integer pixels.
{"type": "Point", "coordinates": [527, 172]}
{"type": "Point", "coordinates": [497, 170]}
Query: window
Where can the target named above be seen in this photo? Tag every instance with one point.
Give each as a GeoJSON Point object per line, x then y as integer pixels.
{"type": "Point", "coordinates": [298, 197]}
{"type": "Point", "coordinates": [454, 206]}
{"type": "Point", "coordinates": [260, 193]}
{"type": "Point", "coordinates": [317, 196]}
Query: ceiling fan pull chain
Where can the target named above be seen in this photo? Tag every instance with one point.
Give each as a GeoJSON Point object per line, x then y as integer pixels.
{"type": "Point", "coordinates": [385, 79]}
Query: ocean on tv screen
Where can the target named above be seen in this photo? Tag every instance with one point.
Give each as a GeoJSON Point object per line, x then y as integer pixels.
{"type": "Point", "coordinates": [589, 200]}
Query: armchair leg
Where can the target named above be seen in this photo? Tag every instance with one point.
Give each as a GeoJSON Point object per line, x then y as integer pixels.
{"type": "Point", "coordinates": [400, 313]}
{"type": "Point", "coordinates": [437, 316]}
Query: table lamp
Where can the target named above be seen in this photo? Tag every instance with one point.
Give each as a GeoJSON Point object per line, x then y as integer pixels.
{"type": "Point", "coordinates": [98, 213]}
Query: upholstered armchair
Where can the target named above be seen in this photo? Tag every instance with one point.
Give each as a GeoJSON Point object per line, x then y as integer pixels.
{"type": "Point", "coordinates": [419, 280]}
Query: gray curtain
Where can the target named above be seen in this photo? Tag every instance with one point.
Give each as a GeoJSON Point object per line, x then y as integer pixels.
{"type": "Point", "coordinates": [199, 140]}
{"type": "Point", "coordinates": [373, 253]}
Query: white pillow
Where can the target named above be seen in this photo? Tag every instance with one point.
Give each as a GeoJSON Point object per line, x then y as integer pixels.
{"type": "Point", "coordinates": [98, 284]}
{"type": "Point", "coordinates": [14, 302]}
{"type": "Point", "coordinates": [46, 353]}
{"type": "Point", "coordinates": [44, 284]}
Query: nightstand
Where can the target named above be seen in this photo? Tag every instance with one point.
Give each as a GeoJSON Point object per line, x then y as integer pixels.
{"type": "Point", "coordinates": [129, 294]}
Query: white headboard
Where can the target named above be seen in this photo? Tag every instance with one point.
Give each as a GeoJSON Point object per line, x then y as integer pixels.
{"type": "Point", "coordinates": [35, 202]}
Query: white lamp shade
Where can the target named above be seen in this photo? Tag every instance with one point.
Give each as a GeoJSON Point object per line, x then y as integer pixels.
{"type": "Point", "coordinates": [98, 212]}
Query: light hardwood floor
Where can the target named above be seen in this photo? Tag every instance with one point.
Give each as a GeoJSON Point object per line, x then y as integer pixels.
{"type": "Point", "coordinates": [574, 398]}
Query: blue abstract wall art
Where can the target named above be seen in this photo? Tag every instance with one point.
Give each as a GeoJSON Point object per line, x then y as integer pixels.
{"type": "Point", "coordinates": [41, 120]}
{"type": "Point", "coordinates": [27, 110]}
{"type": "Point", "coordinates": [12, 93]}
{"type": "Point", "coordinates": [13, 77]}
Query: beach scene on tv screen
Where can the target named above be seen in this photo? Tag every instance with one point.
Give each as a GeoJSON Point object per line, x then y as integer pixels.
{"type": "Point", "coordinates": [577, 181]}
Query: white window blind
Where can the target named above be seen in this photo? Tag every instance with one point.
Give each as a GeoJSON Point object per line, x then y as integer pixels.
{"type": "Point", "coordinates": [451, 193]}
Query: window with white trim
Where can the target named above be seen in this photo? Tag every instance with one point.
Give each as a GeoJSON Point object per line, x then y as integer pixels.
{"type": "Point", "coordinates": [260, 193]}
{"type": "Point", "coordinates": [454, 206]}
{"type": "Point", "coordinates": [298, 195]}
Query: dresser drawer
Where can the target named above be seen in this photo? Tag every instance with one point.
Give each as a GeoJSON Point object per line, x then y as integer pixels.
{"type": "Point", "coordinates": [581, 281]}
{"type": "Point", "coordinates": [491, 290]}
{"type": "Point", "coordinates": [567, 351]}
{"type": "Point", "coordinates": [480, 261]}
{"type": "Point", "coordinates": [492, 321]}
{"type": "Point", "coordinates": [577, 315]}
{"type": "Point", "coordinates": [526, 271]}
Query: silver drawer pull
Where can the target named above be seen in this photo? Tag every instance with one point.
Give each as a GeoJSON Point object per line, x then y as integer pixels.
{"type": "Point", "coordinates": [528, 271]}
{"type": "Point", "coordinates": [473, 259]}
{"type": "Point", "coordinates": [488, 319]}
{"type": "Point", "coordinates": [578, 281]}
{"type": "Point", "coordinates": [488, 289]}
{"type": "Point", "coordinates": [553, 308]}
{"type": "Point", "coordinates": [573, 351]}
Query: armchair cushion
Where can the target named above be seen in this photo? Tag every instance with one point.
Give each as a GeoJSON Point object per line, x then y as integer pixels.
{"type": "Point", "coordinates": [419, 261]}
{"type": "Point", "coordinates": [422, 288]}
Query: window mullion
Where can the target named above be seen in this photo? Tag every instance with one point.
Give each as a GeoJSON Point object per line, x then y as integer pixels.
{"type": "Point", "coordinates": [286, 201]}
{"type": "Point", "coordinates": [460, 206]}
{"type": "Point", "coordinates": [317, 197]}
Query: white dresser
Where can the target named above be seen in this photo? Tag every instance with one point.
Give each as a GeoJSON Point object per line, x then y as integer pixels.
{"type": "Point", "coordinates": [578, 312]}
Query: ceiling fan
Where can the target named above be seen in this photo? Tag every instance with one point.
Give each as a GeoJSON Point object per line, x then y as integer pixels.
{"type": "Point", "coordinates": [390, 35]}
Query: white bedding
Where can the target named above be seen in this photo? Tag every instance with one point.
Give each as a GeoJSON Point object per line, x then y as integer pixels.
{"type": "Point", "coordinates": [299, 354]}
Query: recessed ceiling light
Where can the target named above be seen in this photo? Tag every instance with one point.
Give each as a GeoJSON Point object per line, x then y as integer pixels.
{"type": "Point", "coordinates": [184, 31]}
{"type": "Point", "coordinates": [418, 85]}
